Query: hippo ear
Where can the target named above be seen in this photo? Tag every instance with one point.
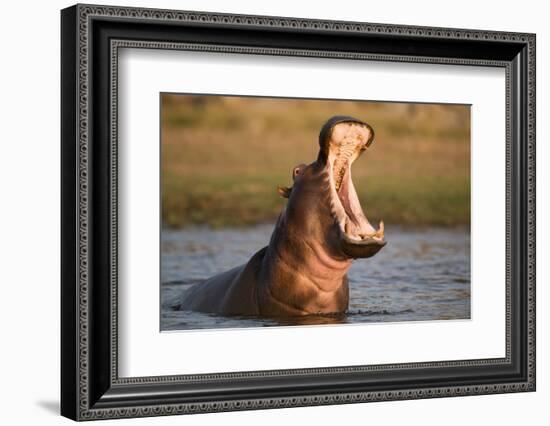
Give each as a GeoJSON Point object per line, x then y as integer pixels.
{"type": "Point", "coordinates": [284, 191]}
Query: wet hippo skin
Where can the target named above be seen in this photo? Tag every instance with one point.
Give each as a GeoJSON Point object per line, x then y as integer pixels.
{"type": "Point", "coordinates": [303, 270]}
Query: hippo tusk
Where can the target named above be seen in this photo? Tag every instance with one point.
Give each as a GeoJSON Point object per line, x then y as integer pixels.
{"type": "Point", "coordinates": [376, 234]}
{"type": "Point", "coordinates": [380, 232]}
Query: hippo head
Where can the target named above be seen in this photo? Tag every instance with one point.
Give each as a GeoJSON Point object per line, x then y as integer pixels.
{"type": "Point", "coordinates": [323, 206]}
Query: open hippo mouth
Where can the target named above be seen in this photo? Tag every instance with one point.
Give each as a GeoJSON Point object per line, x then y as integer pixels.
{"type": "Point", "coordinates": [344, 141]}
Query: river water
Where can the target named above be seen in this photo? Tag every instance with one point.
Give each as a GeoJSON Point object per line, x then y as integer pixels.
{"type": "Point", "coordinates": [421, 274]}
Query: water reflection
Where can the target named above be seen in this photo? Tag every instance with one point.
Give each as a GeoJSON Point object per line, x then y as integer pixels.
{"type": "Point", "coordinates": [422, 274]}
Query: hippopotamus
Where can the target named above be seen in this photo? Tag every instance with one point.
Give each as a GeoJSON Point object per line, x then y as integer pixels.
{"type": "Point", "coordinates": [320, 231]}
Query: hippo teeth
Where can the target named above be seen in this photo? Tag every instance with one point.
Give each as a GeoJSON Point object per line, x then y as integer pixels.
{"type": "Point", "coordinates": [344, 153]}
{"type": "Point", "coordinates": [339, 173]}
{"type": "Point", "coordinates": [340, 178]}
{"type": "Point", "coordinates": [346, 145]}
{"type": "Point", "coordinates": [377, 235]}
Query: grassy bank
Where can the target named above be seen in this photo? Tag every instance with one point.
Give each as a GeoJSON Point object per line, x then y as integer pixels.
{"type": "Point", "coordinates": [223, 157]}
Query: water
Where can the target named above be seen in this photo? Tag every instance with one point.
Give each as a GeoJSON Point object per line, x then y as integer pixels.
{"type": "Point", "coordinates": [421, 274]}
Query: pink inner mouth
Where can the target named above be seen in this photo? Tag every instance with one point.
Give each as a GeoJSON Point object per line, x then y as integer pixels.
{"type": "Point", "coordinates": [343, 194]}
{"type": "Point", "coordinates": [356, 225]}
{"type": "Point", "coordinates": [348, 142]}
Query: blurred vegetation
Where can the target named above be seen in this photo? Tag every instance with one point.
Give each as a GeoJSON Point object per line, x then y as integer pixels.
{"type": "Point", "coordinates": [223, 157]}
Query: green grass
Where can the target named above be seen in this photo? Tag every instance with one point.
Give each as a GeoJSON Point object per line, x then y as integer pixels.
{"type": "Point", "coordinates": [223, 158]}
{"type": "Point", "coordinates": [244, 200]}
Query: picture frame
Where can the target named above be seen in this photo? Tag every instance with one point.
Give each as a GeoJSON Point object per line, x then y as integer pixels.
{"type": "Point", "coordinates": [91, 37]}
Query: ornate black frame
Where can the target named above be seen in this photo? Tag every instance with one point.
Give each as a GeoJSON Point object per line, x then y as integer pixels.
{"type": "Point", "coordinates": [91, 37]}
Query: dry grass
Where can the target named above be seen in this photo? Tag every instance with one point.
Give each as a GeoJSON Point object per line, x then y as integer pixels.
{"type": "Point", "coordinates": [223, 157]}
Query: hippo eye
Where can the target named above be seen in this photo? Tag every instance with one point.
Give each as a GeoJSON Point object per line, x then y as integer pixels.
{"type": "Point", "coordinates": [298, 170]}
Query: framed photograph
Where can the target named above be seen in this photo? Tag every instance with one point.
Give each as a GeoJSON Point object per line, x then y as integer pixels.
{"type": "Point", "coordinates": [263, 212]}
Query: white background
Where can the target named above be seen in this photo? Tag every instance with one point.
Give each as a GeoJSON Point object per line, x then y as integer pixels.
{"type": "Point", "coordinates": [29, 225]}
{"type": "Point", "coordinates": [146, 352]}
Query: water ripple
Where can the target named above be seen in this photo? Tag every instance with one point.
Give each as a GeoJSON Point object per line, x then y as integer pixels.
{"type": "Point", "coordinates": [420, 275]}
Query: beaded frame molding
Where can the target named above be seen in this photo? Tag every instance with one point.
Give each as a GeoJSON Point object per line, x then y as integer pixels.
{"type": "Point", "coordinates": [91, 38]}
